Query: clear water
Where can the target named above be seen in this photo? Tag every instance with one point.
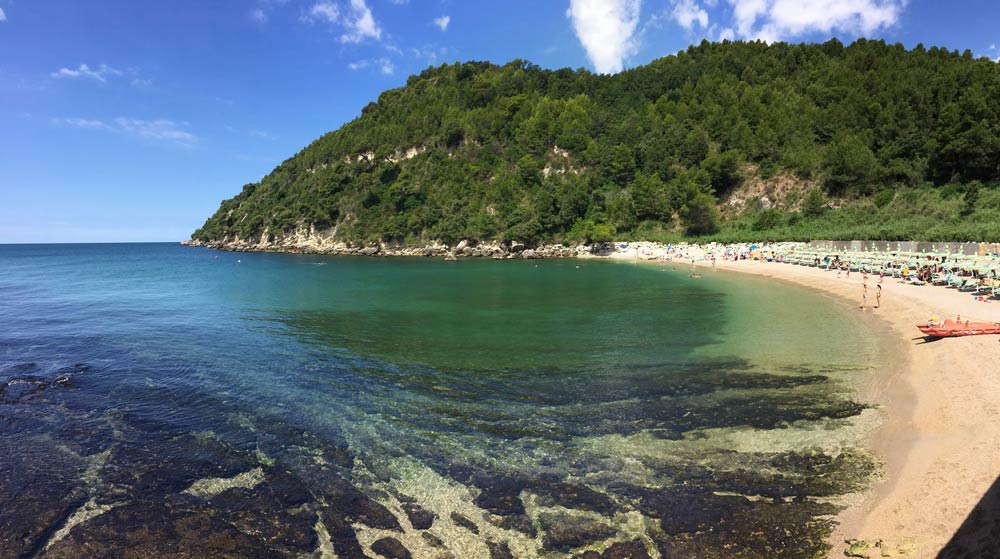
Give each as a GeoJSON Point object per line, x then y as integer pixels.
{"type": "Point", "coordinates": [172, 400]}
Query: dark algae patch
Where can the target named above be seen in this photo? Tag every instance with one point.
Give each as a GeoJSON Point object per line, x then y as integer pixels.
{"type": "Point", "coordinates": [263, 422]}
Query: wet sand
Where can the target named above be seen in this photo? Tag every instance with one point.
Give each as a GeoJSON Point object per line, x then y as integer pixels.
{"type": "Point", "coordinates": [940, 437]}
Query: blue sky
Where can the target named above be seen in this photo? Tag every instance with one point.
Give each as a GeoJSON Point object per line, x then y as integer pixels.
{"type": "Point", "coordinates": [130, 120]}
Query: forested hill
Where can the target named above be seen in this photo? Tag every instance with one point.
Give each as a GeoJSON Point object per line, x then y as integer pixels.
{"type": "Point", "coordinates": [486, 152]}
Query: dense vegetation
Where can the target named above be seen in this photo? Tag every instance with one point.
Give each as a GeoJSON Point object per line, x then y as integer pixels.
{"type": "Point", "coordinates": [883, 142]}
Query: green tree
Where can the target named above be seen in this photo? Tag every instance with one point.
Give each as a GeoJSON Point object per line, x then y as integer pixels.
{"type": "Point", "coordinates": [695, 147]}
{"type": "Point", "coordinates": [848, 163]}
{"type": "Point", "coordinates": [724, 170]}
{"type": "Point", "coordinates": [700, 216]}
{"type": "Point", "coordinates": [650, 197]}
{"type": "Point", "coordinates": [814, 204]}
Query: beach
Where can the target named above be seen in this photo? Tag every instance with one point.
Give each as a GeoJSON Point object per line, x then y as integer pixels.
{"type": "Point", "coordinates": [940, 436]}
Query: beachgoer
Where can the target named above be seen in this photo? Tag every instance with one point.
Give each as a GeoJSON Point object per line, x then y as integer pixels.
{"type": "Point", "coordinates": [864, 295]}
{"type": "Point", "coordinates": [878, 295]}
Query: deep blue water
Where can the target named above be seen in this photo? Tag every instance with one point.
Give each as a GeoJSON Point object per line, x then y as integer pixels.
{"type": "Point", "coordinates": [475, 407]}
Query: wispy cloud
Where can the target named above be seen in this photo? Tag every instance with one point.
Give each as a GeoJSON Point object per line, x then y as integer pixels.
{"type": "Point", "coordinates": [606, 29]}
{"type": "Point", "coordinates": [442, 22]}
{"type": "Point", "coordinates": [776, 20]}
{"type": "Point", "coordinates": [384, 65]}
{"type": "Point", "coordinates": [429, 53]}
{"type": "Point", "coordinates": [100, 74]}
{"type": "Point", "coordinates": [85, 123]}
{"type": "Point", "coordinates": [3, 16]}
{"type": "Point", "coordinates": [160, 130]}
{"type": "Point", "coordinates": [262, 12]}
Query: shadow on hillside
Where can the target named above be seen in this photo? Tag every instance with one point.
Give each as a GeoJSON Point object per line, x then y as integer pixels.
{"type": "Point", "coordinates": [979, 535]}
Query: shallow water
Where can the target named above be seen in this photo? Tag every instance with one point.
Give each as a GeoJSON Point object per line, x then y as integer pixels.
{"type": "Point", "coordinates": [174, 400]}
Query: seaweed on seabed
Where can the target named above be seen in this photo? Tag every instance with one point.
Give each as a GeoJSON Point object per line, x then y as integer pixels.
{"type": "Point", "coordinates": [708, 525]}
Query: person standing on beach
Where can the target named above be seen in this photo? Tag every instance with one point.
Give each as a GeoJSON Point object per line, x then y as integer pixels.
{"type": "Point", "coordinates": [864, 295]}
{"type": "Point", "coordinates": [878, 294]}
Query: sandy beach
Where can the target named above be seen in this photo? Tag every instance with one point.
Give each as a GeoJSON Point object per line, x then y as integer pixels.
{"type": "Point", "coordinates": [940, 439]}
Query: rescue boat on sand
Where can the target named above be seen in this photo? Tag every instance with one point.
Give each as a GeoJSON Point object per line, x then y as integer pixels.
{"type": "Point", "coordinates": [957, 328]}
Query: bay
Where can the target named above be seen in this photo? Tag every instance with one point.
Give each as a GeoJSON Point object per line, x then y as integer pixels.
{"type": "Point", "coordinates": [168, 399]}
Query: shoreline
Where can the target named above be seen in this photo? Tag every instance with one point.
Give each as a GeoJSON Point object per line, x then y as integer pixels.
{"type": "Point", "coordinates": [939, 447]}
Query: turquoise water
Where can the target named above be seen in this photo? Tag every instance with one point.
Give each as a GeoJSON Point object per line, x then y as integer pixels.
{"type": "Point", "coordinates": [173, 400]}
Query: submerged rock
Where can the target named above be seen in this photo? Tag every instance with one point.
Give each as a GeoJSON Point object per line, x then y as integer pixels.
{"type": "Point", "coordinates": [342, 535]}
{"type": "Point", "coordinates": [565, 532]}
{"type": "Point", "coordinates": [391, 548]}
{"type": "Point", "coordinates": [155, 529]}
{"type": "Point", "coordinates": [431, 539]}
{"type": "Point", "coordinates": [619, 550]}
{"type": "Point", "coordinates": [499, 550]}
{"type": "Point", "coordinates": [420, 518]}
{"type": "Point", "coordinates": [574, 496]}
{"type": "Point", "coordinates": [461, 520]}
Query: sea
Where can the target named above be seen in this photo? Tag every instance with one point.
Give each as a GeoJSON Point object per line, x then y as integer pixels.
{"type": "Point", "coordinates": [158, 400]}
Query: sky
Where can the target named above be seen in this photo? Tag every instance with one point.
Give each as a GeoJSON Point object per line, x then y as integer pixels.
{"type": "Point", "coordinates": [130, 120]}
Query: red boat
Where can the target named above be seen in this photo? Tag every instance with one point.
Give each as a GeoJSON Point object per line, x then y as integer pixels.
{"type": "Point", "coordinates": [956, 328]}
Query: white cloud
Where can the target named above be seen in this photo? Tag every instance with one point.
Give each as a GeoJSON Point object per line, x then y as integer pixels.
{"type": "Point", "coordinates": [745, 14]}
{"type": "Point", "coordinates": [775, 20]}
{"type": "Point", "coordinates": [688, 12]}
{"type": "Point", "coordinates": [384, 65]}
{"type": "Point", "coordinates": [323, 11]}
{"type": "Point", "coordinates": [442, 22]}
{"type": "Point", "coordinates": [727, 34]}
{"type": "Point", "coordinates": [160, 130]}
{"type": "Point", "coordinates": [141, 83]}
{"type": "Point", "coordinates": [258, 15]}
{"type": "Point", "coordinates": [84, 71]}
{"type": "Point", "coordinates": [3, 16]}
{"type": "Point", "coordinates": [360, 24]}
{"type": "Point", "coordinates": [357, 20]}
{"type": "Point", "coordinates": [606, 29]}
